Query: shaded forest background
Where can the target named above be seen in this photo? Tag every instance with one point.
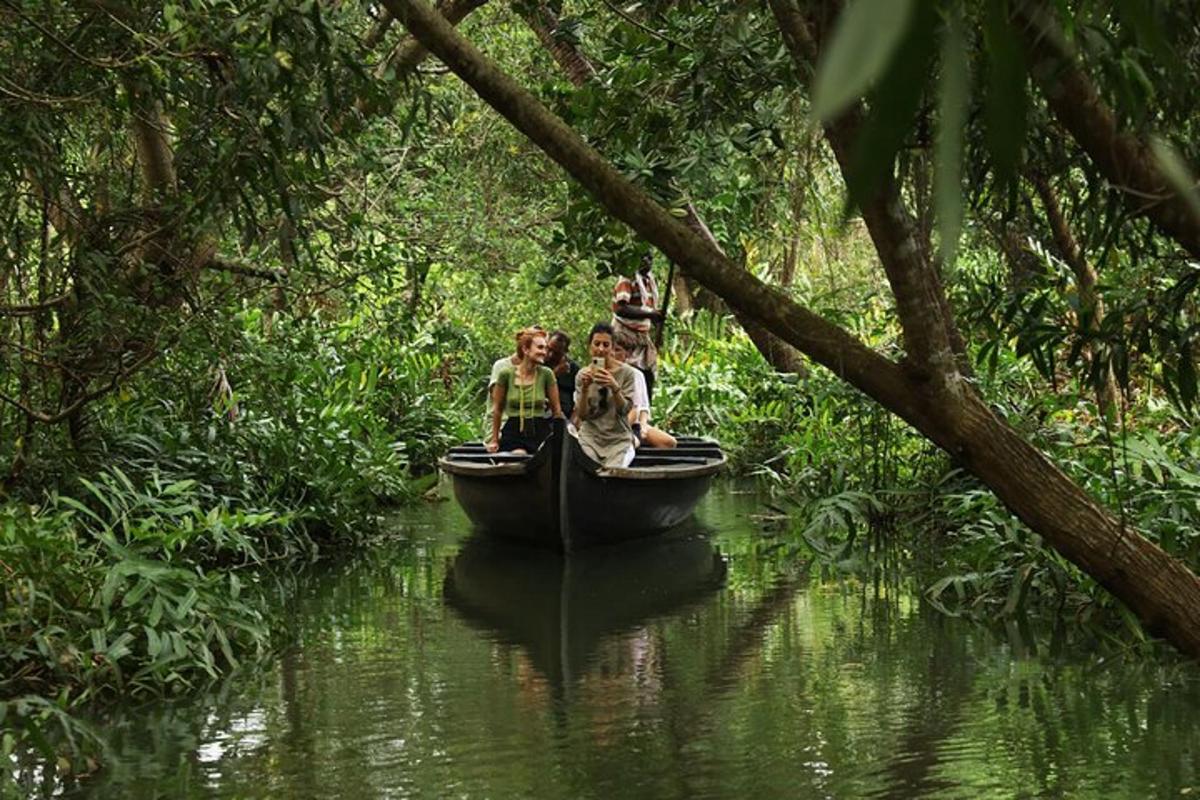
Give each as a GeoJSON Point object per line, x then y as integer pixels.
{"type": "Point", "coordinates": [258, 256]}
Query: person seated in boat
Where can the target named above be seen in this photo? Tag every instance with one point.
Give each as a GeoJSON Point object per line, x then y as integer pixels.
{"type": "Point", "coordinates": [564, 368]}
{"type": "Point", "coordinates": [603, 399]}
{"type": "Point", "coordinates": [639, 417]}
{"type": "Point", "coordinates": [521, 393]}
{"type": "Point", "coordinates": [500, 363]}
{"type": "Point", "coordinates": [511, 360]}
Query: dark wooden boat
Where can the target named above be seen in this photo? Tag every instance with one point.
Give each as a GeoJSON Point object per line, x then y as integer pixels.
{"type": "Point", "coordinates": [560, 498]}
{"type": "Point", "coordinates": [559, 607]}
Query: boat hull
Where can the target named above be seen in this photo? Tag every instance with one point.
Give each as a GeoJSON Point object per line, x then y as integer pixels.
{"type": "Point", "coordinates": [609, 506]}
{"type": "Point", "coordinates": [561, 499]}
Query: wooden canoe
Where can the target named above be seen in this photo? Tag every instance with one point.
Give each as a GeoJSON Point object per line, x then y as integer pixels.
{"type": "Point", "coordinates": [560, 499]}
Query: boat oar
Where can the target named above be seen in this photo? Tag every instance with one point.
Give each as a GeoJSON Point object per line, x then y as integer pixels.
{"type": "Point", "coordinates": [658, 336]}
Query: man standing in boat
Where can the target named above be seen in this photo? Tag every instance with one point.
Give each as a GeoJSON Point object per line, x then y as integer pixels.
{"type": "Point", "coordinates": [635, 311]}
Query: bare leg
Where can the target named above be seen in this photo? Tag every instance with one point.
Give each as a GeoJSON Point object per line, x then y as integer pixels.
{"type": "Point", "coordinates": [653, 437]}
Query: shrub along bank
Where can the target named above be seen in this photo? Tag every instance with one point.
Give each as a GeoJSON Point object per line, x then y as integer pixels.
{"type": "Point", "coordinates": [858, 489]}
{"type": "Point", "coordinates": [158, 558]}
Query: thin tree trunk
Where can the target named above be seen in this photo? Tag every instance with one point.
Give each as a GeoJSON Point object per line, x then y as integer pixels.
{"type": "Point", "coordinates": [779, 354]}
{"type": "Point", "coordinates": [683, 294]}
{"type": "Point", "coordinates": [409, 52]}
{"type": "Point", "coordinates": [1091, 305]}
{"type": "Point", "coordinates": [544, 23]}
{"type": "Point", "coordinates": [379, 29]}
{"type": "Point", "coordinates": [1158, 588]}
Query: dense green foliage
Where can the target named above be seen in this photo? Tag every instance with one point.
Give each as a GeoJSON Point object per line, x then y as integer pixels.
{"type": "Point", "coordinates": [238, 356]}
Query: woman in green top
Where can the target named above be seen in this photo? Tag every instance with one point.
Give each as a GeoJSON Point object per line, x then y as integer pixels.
{"type": "Point", "coordinates": [521, 393]}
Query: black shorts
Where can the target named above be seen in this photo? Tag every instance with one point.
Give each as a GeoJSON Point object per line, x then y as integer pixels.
{"type": "Point", "coordinates": [530, 439]}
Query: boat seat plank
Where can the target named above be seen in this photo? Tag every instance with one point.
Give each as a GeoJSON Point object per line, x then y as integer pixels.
{"type": "Point", "coordinates": [494, 457]}
{"type": "Point", "coordinates": [662, 461]}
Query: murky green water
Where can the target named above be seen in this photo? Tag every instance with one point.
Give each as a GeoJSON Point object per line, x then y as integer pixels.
{"type": "Point", "coordinates": [699, 668]}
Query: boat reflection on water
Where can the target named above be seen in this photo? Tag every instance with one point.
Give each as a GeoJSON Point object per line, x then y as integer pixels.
{"type": "Point", "coordinates": [559, 607]}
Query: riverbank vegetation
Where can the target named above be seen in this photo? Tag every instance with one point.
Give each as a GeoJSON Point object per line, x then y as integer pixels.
{"type": "Point", "coordinates": [257, 258]}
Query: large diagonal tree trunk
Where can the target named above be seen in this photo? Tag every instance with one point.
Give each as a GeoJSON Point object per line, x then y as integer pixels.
{"type": "Point", "coordinates": [579, 70]}
{"type": "Point", "coordinates": [1158, 588]}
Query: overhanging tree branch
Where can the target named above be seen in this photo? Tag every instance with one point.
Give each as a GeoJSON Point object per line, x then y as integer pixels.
{"type": "Point", "coordinates": [1161, 590]}
{"type": "Point", "coordinates": [1125, 160]}
{"type": "Point", "coordinates": [825, 342]}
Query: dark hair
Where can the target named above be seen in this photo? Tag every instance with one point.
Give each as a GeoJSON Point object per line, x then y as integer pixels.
{"type": "Point", "coordinates": [624, 341]}
{"type": "Point", "coordinates": [566, 340]}
{"type": "Point", "coordinates": [599, 327]}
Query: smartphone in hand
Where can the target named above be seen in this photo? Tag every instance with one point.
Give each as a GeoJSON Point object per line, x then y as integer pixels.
{"type": "Point", "coordinates": [597, 362]}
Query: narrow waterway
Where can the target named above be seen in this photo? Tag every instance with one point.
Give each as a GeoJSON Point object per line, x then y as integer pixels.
{"type": "Point", "coordinates": [703, 666]}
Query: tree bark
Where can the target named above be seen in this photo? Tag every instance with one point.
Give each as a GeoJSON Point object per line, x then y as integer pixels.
{"type": "Point", "coordinates": [409, 52]}
{"type": "Point", "coordinates": [1124, 159]}
{"type": "Point", "coordinates": [1091, 305]}
{"type": "Point", "coordinates": [779, 354]}
{"type": "Point", "coordinates": [1158, 588]}
{"type": "Point", "coordinates": [544, 23]}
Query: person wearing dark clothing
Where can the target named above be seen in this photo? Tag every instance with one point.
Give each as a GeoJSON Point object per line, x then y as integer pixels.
{"type": "Point", "coordinates": [564, 368]}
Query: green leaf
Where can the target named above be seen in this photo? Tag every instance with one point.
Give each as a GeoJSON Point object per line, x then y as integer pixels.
{"type": "Point", "coordinates": [1147, 29]}
{"type": "Point", "coordinates": [1177, 173]}
{"type": "Point", "coordinates": [185, 605]}
{"type": "Point", "coordinates": [153, 642]}
{"type": "Point", "coordinates": [893, 105]}
{"type": "Point", "coordinates": [1006, 107]}
{"type": "Point", "coordinates": [866, 35]}
{"type": "Point", "coordinates": [952, 120]}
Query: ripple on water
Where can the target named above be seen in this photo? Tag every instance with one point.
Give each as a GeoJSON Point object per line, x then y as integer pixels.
{"type": "Point", "coordinates": [648, 684]}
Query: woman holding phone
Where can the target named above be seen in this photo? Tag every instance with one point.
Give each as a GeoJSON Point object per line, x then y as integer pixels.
{"type": "Point", "coordinates": [603, 400]}
{"type": "Point", "coordinates": [521, 394]}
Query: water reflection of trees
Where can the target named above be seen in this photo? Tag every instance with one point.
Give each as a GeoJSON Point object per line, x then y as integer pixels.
{"type": "Point", "coordinates": [777, 684]}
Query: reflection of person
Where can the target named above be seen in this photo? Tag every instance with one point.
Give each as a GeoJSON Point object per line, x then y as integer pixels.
{"type": "Point", "coordinates": [635, 309]}
{"type": "Point", "coordinates": [603, 400]}
{"type": "Point", "coordinates": [564, 369]}
{"type": "Point", "coordinates": [520, 394]}
{"type": "Point", "coordinates": [646, 434]}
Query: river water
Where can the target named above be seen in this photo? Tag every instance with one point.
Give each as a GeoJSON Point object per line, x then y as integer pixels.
{"type": "Point", "coordinates": [708, 665]}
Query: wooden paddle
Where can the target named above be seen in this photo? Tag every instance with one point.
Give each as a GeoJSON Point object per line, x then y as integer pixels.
{"type": "Point", "coordinates": [658, 335]}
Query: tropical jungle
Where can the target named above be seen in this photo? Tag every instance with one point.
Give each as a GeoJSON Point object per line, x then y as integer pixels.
{"type": "Point", "coordinates": [929, 274]}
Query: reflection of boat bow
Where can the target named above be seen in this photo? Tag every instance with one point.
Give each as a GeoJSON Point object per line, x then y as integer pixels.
{"type": "Point", "coordinates": [560, 498]}
{"type": "Point", "coordinates": [559, 607]}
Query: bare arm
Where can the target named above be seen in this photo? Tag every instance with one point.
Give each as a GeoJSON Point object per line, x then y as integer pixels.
{"type": "Point", "coordinates": [582, 382]}
{"type": "Point", "coordinates": [499, 395]}
{"type": "Point", "coordinates": [627, 311]}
